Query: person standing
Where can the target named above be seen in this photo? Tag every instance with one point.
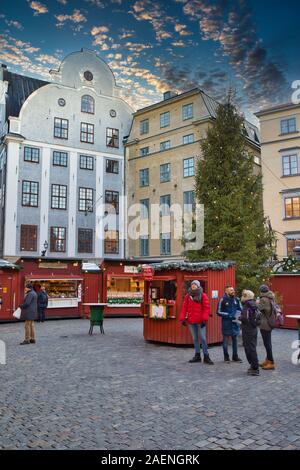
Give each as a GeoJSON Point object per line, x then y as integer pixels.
{"type": "Point", "coordinates": [195, 313]}
{"type": "Point", "coordinates": [229, 309]}
{"type": "Point", "coordinates": [250, 320]}
{"type": "Point", "coordinates": [29, 313]}
{"type": "Point", "coordinates": [42, 304]}
{"type": "Point", "coordinates": [266, 305]}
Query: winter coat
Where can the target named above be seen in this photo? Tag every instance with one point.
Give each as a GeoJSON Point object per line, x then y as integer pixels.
{"type": "Point", "coordinates": [42, 299]}
{"type": "Point", "coordinates": [249, 309]}
{"type": "Point", "coordinates": [265, 306]}
{"type": "Point", "coordinates": [229, 309]}
{"type": "Point", "coordinates": [29, 306]}
{"type": "Point", "coordinates": [195, 312]}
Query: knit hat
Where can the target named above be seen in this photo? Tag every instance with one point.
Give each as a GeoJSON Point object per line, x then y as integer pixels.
{"type": "Point", "coordinates": [264, 288]}
{"type": "Point", "coordinates": [197, 283]}
{"type": "Point", "coordinates": [29, 285]}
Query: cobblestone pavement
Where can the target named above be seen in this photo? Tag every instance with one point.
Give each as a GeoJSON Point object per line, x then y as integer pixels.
{"type": "Point", "coordinates": [72, 391]}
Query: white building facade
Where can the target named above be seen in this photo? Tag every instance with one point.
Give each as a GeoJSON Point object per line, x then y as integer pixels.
{"type": "Point", "coordinates": [62, 162]}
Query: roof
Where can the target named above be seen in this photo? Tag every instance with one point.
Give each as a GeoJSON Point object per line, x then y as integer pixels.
{"type": "Point", "coordinates": [4, 264]}
{"type": "Point", "coordinates": [19, 88]}
{"type": "Point", "coordinates": [251, 131]}
{"type": "Point", "coordinates": [274, 109]}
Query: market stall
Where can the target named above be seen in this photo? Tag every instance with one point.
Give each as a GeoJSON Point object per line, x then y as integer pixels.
{"type": "Point", "coordinates": [165, 287]}
{"type": "Point", "coordinates": [123, 288]}
{"type": "Point", "coordinates": [9, 289]}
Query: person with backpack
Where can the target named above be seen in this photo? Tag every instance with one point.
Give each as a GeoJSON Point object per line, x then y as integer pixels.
{"type": "Point", "coordinates": [250, 319]}
{"type": "Point", "coordinates": [229, 309]}
{"type": "Point", "coordinates": [42, 303]}
{"type": "Point", "coordinates": [195, 313]}
{"type": "Point", "coordinates": [267, 306]}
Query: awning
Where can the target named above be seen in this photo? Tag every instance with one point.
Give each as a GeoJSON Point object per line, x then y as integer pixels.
{"type": "Point", "coordinates": [90, 268]}
{"type": "Point", "coordinates": [4, 264]}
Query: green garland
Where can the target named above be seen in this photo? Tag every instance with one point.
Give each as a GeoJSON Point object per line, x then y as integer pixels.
{"type": "Point", "coordinates": [193, 267]}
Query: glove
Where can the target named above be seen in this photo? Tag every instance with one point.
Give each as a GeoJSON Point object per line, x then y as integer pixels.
{"type": "Point", "coordinates": [183, 323]}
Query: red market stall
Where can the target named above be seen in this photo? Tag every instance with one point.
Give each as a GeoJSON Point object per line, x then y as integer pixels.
{"type": "Point", "coordinates": [164, 293]}
{"type": "Point", "coordinates": [287, 286]}
{"type": "Point", "coordinates": [122, 287]}
{"type": "Point", "coordinates": [9, 289]}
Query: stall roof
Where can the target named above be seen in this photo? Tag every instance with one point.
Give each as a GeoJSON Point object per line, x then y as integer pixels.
{"type": "Point", "coordinates": [194, 267]}
{"type": "Point", "coordinates": [4, 264]}
{"type": "Point", "coordinates": [90, 268]}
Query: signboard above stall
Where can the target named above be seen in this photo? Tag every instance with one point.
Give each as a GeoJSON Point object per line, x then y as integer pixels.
{"type": "Point", "coordinates": [148, 272]}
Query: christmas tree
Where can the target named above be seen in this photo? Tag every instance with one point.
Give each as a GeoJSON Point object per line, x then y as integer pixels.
{"type": "Point", "coordinates": [230, 188]}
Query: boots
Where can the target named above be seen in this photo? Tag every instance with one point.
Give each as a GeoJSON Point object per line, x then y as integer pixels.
{"type": "Point", "coordinates": [269, 366]}
{"type": "Point", "coordinates": [207, 360]}
{"type": "Point", "coordinates": [262, 364]}
{"type": "Point", "coordinates": [196, 358]}
{"type": "Point", "coordinates": [253, 371]}
{"type": "Point", "coordinates": [25, 342]}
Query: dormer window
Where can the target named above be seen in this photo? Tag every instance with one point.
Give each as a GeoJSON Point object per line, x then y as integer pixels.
{"type": "Point", "coordinates": [87, 104]}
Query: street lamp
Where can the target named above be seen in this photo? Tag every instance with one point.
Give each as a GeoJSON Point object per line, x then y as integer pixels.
{"type": "Point", "coordinates": [46, 244]}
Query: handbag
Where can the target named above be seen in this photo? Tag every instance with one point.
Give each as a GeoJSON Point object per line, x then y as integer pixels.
{"type": "Point", "coordinates": [17, 313]}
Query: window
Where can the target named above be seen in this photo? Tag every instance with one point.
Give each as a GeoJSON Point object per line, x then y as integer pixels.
{"type": "Point", "coordinates": [189, 201]}
{"type": "Point", "coordinates": [85, 200]}
{"type": "Point", "coordinates": [86, 132]}
{"type": "Point", "coordinates": [85, 240]}
{"type": "Point", "coordinates": [86, 162]}
{"type": "Point", "coordinates": [291, 243]}
{"type": "Point", "coordinates": [61, 127]}
{"type": "Point", "coordinates": [144, 126]}
{"type": "Point", "coordinates": [60, 158]}
{"type": "Point", "coordinates": [165, 243]}
{"type": "Point", "coordinates": [28, 239]}
{"type": "Point", "coordinates": [188, 139]}
{"type": "Point", "coordinates": [292, 207]}
{"type": "Point", "coordinates": [112, 166]}
{"type": "Point", "coordinates": [290, 165]}
{"type": "Point", "coordinates": [165, 119]}
{"type": "Point", "coordinates": [111, 241]}
{"type": "Point", "coordinates": [31, 154]}
{"type": "Point", "coordinates": [144, 151]}
{"type": "Point", "coordinates": [165, 172]}
{"type": "Point", "coordinates": [165, 203]}
{"type": "Point", "coordinates": [187, 111]}
{"type": "Point", "coordinates": [144, 207]}
{"type": "Point", "coordinates": [112, 201]}
{"type": "Point", "coordinates": [30, 193]}
{"type": "Point", "coordinates": [188, 167]}
{"type": "Point", "coordinates": [112, 137]}
{"type": "Point", "coordinates": [288, 126]}
{"type": "Point", "coordinates": [144, 177]}
{"type": "Point", "coordinates": [87, 104]}
{"type": "Point", "coordinates": [58, 239]}
{"type": "Point", "coordinates": [59, 197]}
{"type": "Point", "coordinates": [144, 245]}
{"type": "Point", "coordinates": [165, 145]}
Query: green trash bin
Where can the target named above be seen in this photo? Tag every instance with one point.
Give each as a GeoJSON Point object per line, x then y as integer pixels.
{"type": "Point", "coordinates": [96, 318]}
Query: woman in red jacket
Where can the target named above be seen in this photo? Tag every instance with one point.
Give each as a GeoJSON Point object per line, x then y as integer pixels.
{"type": "Point", "coordinates": [195, 312]}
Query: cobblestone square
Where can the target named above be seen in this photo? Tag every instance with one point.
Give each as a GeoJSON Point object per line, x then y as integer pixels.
{"type": "Point", "coordinates": [115, 391]}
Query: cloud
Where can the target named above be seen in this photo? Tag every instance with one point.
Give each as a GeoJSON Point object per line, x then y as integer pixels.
{"type": "Point", "coordinates": [76, 17]}
{"type": "Point", "coordinates": [99, 29]}
{"type": "Point", "coordinates": [96, 3]}
{"type": "Point", "coordinates": [39, 8]}
{"type": "Point", "coordinates": [146, 10]}
{"type": "Point", "coordinates": [48, 59]}
{"type": "Point", "coordinates": [63, 2]}
{"type": "Point", "coordinates": [14, 23]}
{"type": "Point", "coordinates": [181, 29]}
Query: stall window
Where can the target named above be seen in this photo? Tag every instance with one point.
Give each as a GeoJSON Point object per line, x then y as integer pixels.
{"type": "Point", "coordinates": [87, 132]}
{"type": "Point", "coordinates": [58, 239]}
{"type": "Point", "coordinates": [30, 193]}
{"type": "Point", "coordinates": [111, 241]}
{"type": "Point", "coordinates": [58, 197]}
{"type": "Point", "coordinates": [28, 239]}
{"type": "Point", "coordinates": [85, 200]}
{"type": "Point", "coordinates": [112, 202]}
{"type": "Point", "coordinates": [85, 240]}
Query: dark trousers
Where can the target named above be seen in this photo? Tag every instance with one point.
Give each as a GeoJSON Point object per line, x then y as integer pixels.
{"type": "Point", "coordinates": [234, 346]}
{"type": "Point", "coordinates": [41, 313]}
{"type": "Point", "coordinates": [267, 339]}
{"type": "Point", "coordinates": [250, 342]}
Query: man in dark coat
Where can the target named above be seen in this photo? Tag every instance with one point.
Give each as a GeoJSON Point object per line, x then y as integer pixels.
{"type": "Point", "coordinates": [29, 313]}
{"type": "Point", "coordinates": [229, 309]}
{"type": "Point", "coordinates": [42, 303]}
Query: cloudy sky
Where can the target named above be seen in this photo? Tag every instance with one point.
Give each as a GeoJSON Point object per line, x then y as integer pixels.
{"type": "Point", "coordinates": [154, 46]}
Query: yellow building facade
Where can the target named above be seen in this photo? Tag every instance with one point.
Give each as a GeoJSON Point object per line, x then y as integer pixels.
{"type": "Point", "coordinates": [280, 154]}
{"type": "Point", "coordinates": [161, 155]}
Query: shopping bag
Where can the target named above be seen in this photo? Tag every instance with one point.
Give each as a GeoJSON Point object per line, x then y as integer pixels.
{"type": "Point", "coordinates": [17, 313]}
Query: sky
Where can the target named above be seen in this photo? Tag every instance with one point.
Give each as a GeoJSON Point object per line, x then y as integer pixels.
{"type": "Point", "coordinates": [249, 46]}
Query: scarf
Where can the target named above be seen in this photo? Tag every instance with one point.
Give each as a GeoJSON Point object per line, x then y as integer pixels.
{"type": "Point", "coordinates": [196, 294]}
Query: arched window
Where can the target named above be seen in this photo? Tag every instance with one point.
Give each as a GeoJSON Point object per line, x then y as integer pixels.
{"type": "Point", "coordinates": [87, 104]}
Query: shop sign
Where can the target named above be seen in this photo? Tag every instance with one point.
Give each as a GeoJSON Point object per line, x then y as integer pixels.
{"type": "Point", "coordinates": [53, 265]}
{"type": "Point", "coordinates": [148, 272]}
{"type": "Point", "coordinates": [131, 269]}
